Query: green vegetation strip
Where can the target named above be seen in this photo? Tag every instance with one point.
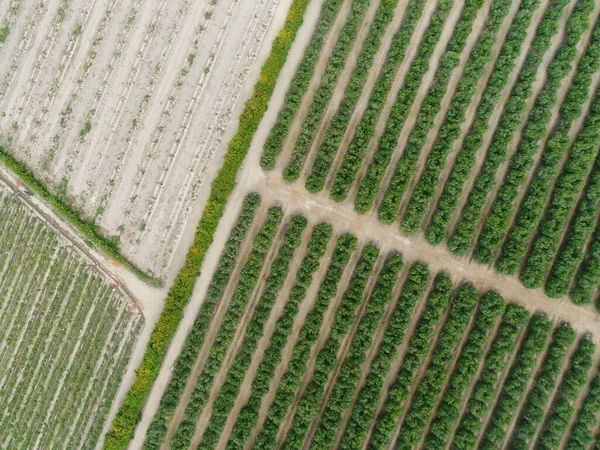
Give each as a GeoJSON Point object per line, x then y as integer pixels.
{"type": "Point", "coordinates": [532, 414]}
{"type": "Point", "coordinates": [365, 130]}
{"type": "Point", "coordinates": [243, 292]}
{"type": "Point", "coordinates": [88, 228]}
{"type": "Point", "coordinates": [432, 104]}
{"type": "Point", "coordinates": [450, 130]}
{"type": "Point", "coordinates": [130, 411]}
{"type": "Point", "coordinates": [588, 277]}
{"type": "Point", "coordinates": [195, 339]}
{"type": "Point", "coordinates": [369, 186]}
{"type": "Point", "coordinates": [248, 416]}
{"type": "Point", "coordinates": [483, 394]}
{"type": "Point", "coordinates": [491, 307]}
{"type": "Point", "coordinates": [563, 408]}
{"type": "Point", "coordinates": [278, 273]}
{"type": "Point", "coordinates": [516, 383]}
{"type": "Point", "coordinates": [350, 371]}
{"type": "Point", "coordinates": [497, 222]}
{"type": "Point", "coordinates": [581, 435]}
{"type": "Point", "coordinates": [329, 80]}
{"type": "Point", "coordinates": [429, 389]}
{"type": "Point", "coordinates": [465, 231]}
{"type": "Point", "coordinates": [532, 206]}
{"type": "Point", "coordinates": [345, 315]}
{"type": "Point", "coordinates": [308, 335]}
{"type": "Point", "coordinates": [335, 130]}
{"type": "Point", "coordinates": [412, 291]}
{"type": "Point", "coordinates": [466, 157]}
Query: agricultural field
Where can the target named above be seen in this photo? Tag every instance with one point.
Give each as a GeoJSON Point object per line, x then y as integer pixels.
{"type": "Point", "coordinates": [97, 97]}
{"type": "Point", "coordinates": [67, 332]}
{"type": "Point", "coordinates": [412, 259]}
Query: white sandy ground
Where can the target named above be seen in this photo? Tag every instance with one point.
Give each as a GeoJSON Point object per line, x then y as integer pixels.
{"type": "Point", "coordinates": [157, 81]}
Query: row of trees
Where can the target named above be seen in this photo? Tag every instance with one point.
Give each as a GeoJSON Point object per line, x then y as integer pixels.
{"type": "Point", "coordinates": [582, 226]}
{"type": "Point", "coordinates": [326, 359]}
{"type": "Point", "coordinates": [465, 159]}
{"type": "Point", "coordinates": [413, 290]}
{"type": "Point", "coordinates": [308, 335]}
{"type": "Point", "coordinates": [430, 388]}
{"type": "Point", "coordinates": [568, 187]}
{"type": "Point", "coordinates": [562, 408]}
{"type": "Point", "coordinates": [533, 203]}
{"type": "Point", "coordinates": [515, 385]}
{"type": "Point", "coordinates": [322, 96]}
{"type": "Point", "coordinates": [588, 277]}
{"type": "Point", "coordinates": [195, 339]}
{"type": "Point", "coordinates": [265, 372]}
{"type": "Point", "coordinates": [581, 435]}
{"type": "Point", "coordinates": [350, 371]}
{"type": "Point", "coordinates": [532, 414]}
{"type": "Point", "coordinates": [298, 86]}
{"type": "Point", "coordinates": [450, 130]}
{"type": "Point", "coordinates": [339, 122]}
{"type": "Point", "coordinates": [463, 235]}
{"type": "Point", "coordinates": [432, 104]}
{"type": "Point", "coordinates": [365, 130]}
{"type": "Point", "coordinates": [244, 289]}
{"type": "Point", "coordinates": [483, 394]}
{"type": "Point", "coordinates": [278, 273]}
{"type": "Point", "coordinates": [497, 222]}
{"type": "Point", "coordinates": [369, 186]}
{"type": "Point", "coordinates": [491, 306]}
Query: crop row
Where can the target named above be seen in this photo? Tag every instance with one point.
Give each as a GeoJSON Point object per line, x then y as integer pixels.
{"type": "Point", "coordinates": [466, 156]}
{"type": "Point", "coordinates": [195, 339]}
{"type": "Point", "coordinates": [322, 96]}
{"type": "Point", "coordinates": [450, 130]}
{"type": "Point", "coordinates": [532, 206]}
{"type": "Point", "coordinates": [326, 361]}
{"type": "Point", "coordinates": [265, 372]}
{"type": "Point", "coordinates": [497, 222]}
{"type": "Point", "coordinates": [491, 306]}
{"type": "Point", "coordinates": [430, 387]}
{"type": "Point", "coordinates": [465, 231]}
{"type": "Point", "coordinates": [568, 186]}
{"type": "Point", "coordinates": [365, 130]}
{"type": "Point", "coordinates": [335, 130]}
{"type": "Point", "coordinates": [582, 225]}
{"type": "Point", "coordinates": [308, 335]}
{"type": "Point", "coordinates": [432, 104]}
{"type": "Point", "coordinates": [532, 414]}
{"type": "Point", "coordinates": [350, 371]}
{"type": "Point", "coordinates": [369, 186]}
{"type": "Point", "coordinates": [298, 86]}
{"type": "Point", "coordinates": [514, 319]}
{"type": "Point", "coordinates": [588, 277]}
{"type": "Point", "coordinates": [129, 412]}
{"type": "Point", "coordinates": [418, 346]}
{"type": "Point", "coordinates": [278, 273]}
{"type": "Point", "coordinates": [515, 385]}
{"type": "Point", "coordinates": [244, 290]}
{"type": "Point", "coordinates": [581, 435]}
{"type": "Point", "coordinates": [563, 409]}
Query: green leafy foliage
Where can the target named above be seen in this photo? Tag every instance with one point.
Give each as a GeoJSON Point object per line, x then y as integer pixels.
{"type": "Point", "coordinates": [450, 130]}
{"type": "Point", "coordinates": [497, 222]}
{"type": "Point", "coordinates": [309, 333]}
{"type": "Point", "coordinates": [412, 291]}
{"type": "Point", "coordinates": [465, 231]}
{"type": "Point", "coordinates": [195, 339]}
{"type": "Point", "coordinates": [491, 306]}
{"type": "Point", "coordinates": [514, 319]}
{"type": "Point", "coordinates": [532, 206]}
{"type": "Point", "coordinates": [322, 96]}
{"type": "Point", "coordinates": [588, 278]}
{"type": "Point", "coordinates": [581, 435]}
